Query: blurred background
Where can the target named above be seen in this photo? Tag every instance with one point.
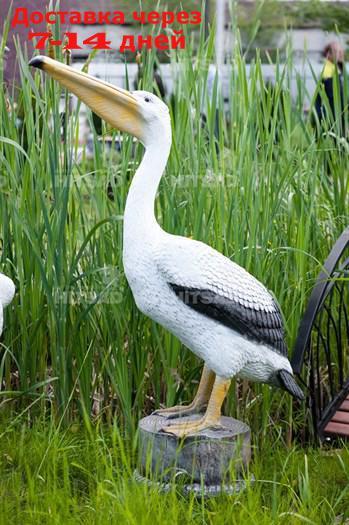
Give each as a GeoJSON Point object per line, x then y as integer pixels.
{"type": "Point", "coordinates": [272, 26]}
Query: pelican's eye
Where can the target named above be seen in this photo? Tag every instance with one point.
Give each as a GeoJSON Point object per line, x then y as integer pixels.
{"type": "Point", "coordinates": [147, 99]}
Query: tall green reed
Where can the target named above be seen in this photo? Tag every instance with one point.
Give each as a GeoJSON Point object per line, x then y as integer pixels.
{"type": "Point", "coordinates": [255, 187]}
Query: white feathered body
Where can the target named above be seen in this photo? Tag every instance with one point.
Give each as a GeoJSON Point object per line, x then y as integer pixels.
{"type": "Point", "coordinates": [7, 291]}
{"type": "Point", "coordinates": [156, 261]}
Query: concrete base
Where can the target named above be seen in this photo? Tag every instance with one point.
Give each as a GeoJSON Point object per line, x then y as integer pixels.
{"type": "Point", "coordinates": [209, 462]}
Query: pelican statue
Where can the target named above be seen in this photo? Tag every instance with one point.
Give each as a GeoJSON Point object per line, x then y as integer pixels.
{"type": "Point", "coordinates": [7, 291]}
{"type": "Point", "coordinates": [214, 307]}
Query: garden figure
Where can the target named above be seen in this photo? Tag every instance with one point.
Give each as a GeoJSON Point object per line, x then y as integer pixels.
{"type": "Point", "coordinates": [215, 307]}
{"type": "Point", "coordinates": [7, 291]}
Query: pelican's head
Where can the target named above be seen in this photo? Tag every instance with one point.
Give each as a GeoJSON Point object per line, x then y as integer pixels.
{"type": "Point", "coordinates": [139, 113]}
{"type": "Point", "coordinates": [155, 117]}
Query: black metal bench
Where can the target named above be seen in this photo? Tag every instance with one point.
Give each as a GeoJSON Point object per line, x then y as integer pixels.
{"type": "Point", "coordinates": [321, 353]}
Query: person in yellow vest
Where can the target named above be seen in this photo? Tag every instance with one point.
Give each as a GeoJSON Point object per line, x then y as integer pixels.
{"type": "Point", "coordinates": [329, 114]}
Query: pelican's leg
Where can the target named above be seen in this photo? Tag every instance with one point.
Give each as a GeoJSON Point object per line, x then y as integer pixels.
{"type": "Point", "coordinates": [212, 414]}
{"type": "Point", "coordinates": [199, 402]}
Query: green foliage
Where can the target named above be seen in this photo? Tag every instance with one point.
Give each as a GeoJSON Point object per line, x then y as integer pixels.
{"type": "Point", "coordinates": [255, 187]}
{"type": "Point", "coordinates": [75, 476]}
{"type": "Point", "coordinates": [330, 16]}
{"type": "Point", "coordinates": [262, 22]}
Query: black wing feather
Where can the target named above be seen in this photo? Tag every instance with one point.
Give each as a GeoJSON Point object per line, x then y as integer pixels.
{"type": "Point", "coordinates": [258, 325]}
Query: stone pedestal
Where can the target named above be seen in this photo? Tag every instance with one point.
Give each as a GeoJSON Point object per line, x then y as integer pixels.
{"type": "Point", "coordinates": [209, 462]}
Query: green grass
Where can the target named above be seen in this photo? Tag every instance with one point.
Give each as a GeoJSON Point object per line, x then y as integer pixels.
{"type": "Point", "coordinates": [74, 476]}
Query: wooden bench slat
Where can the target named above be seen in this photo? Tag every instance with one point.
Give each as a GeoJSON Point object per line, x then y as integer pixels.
{"type": "Point", "coordinates": [341, 417]}
{"type": "Point", "coordinates": [340, 429]}
{"type": "Point", "coordinates": [345, 406]}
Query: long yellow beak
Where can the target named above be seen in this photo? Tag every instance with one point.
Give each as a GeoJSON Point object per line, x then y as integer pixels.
{"type": "Point", "coordinates": [116, 106]}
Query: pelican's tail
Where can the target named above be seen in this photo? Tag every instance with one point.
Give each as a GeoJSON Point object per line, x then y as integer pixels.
{"type": "Point", "coordinates": [288, 382]}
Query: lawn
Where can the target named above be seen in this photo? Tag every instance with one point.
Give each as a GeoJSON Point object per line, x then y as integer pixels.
{"type": "Point", "coordinates": [77, 476]}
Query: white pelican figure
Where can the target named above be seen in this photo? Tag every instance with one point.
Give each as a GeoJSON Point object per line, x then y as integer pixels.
{"type": "Point", "coordinates": [7, 291]}
{"type": "Point", "coordinates": [214, 307]}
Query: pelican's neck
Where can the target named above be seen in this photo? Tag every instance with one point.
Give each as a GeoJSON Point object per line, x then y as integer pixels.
{"type": "Point", "coordinates": [139, 216]}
